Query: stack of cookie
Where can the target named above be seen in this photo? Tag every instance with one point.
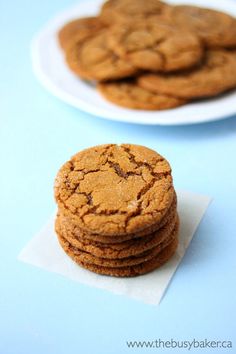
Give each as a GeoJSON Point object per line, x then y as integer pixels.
{"type": "Point", "coordinates": [117, 210]}
{"type": "Point", "coordinates": [151, 55]}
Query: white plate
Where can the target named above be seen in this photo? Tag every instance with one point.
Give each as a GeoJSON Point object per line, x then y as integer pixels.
{"type": "Point", "coordinates": [52, 72]}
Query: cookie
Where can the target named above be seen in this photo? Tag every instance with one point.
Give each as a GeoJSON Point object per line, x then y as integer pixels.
{"type": "Point", "coordinates": [110, 240]}
{"type": "Point", "coordinates": [91, 59]}
{"type": "Point", "coordinates": [115, 189]}
{"type": "Point", "coordinates": [119, 250]}
{"type": "Point", "coordinates": [156, 46]}
{"type": "Point", "coordinates": [128, 94]}
{"type": "Point", "coordinates": [80, 255]}
{"type": "Point", "coordinates": [127, 271]}
{"type": "Point", "coordinates": [215, 76]}
{"type": "Point", "coordinates": [217, 29]}
{"type": "Point", "coordinates": [80, 28]}
{"type": "Point", "coordinates": [131, 10]}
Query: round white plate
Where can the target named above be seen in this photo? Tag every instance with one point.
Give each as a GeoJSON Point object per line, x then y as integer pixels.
{"type": "Point", "coordinates": [52, 72]}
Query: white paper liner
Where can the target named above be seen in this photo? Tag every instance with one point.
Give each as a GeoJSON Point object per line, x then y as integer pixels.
{"type": "Point", "coordinates": [44, 251]}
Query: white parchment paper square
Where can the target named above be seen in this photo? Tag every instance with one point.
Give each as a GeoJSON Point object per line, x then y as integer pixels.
{"type": "Point", "coordinates": [44, 251]}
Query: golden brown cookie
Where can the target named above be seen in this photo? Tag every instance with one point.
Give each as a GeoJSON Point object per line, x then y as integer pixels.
{"type": "Point", "coordinates": [216, 28]}
{"type": "Point", "coordinates": [119, 250]}
{"type": "Point", "coordinates": [80, 28]}
{"type": "Point", "coordinates": [91, 59]}
{"type": "Point", "coordinates": [115, 189]}
{"type": "Point", "coordinates": [127, 93]}
{"type": "Point", "coordinates": [80, 255]}
{"type": "Point", "coordinates": [156, 46]}
{"type": "Point", "coordinates": [79, 234]}
{"type": "Point", "coordinates": [216, 75]}
{"type": "Point", "coordinates": [127, 271]}
{"type": "Point", "coordinates": [131, 10]}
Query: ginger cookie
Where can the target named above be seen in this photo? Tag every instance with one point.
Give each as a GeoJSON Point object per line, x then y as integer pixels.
{"type": "Point", "coordinates": [127, 271]}
{"type": "Point", "coordinates": [80, 28]}
{"type": "Point", "coordinates": [91, 59]}
{"type": "Point", "coordinates": [128, 94]}
{"type": "Point", "coordinates": [72, 229]}
{"type": "Point", "coordinates": [115, 189]}
{"type": "Point", "coordinates": [216, 75]}
{"type": "Point", "coordinates": [156, 46]}
{"type": "Point", "coordinates": [217, 29]}
{"type": "Point", "coordinates": [131, 10]}
{"type": "Point", "coordinates": [119, 250]}
{"type": "Point", "coordinates": [80, 255]}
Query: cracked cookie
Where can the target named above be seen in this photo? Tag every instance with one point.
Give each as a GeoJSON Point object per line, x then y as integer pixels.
{"type": "Point", "coordinates": [80, 28]}
{"type": "Point", "coordinates": [128, 94]}
{"type": "Point", "coordinates": [126, 271]}
{"type": "Point", "coordinates": [115, 189]}
{"type": "Point", "coordinates": [131, 10]}
{"type": "Point", "coordinates": [216, 75]}
{"type": "Point", "coordinates": [217, 29]}
{"type": "Point", "coordinates": [92, 59]}
{"type": "Point", "coordinates": [156, 46]}
{"type": "Point", "coordinates": [122, 195]}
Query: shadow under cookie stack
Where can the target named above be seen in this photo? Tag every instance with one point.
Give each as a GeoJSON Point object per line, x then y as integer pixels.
{"type": "Point", "coordinates": [152, 55]}
{"type": "Point", "coordinates": [117, 210]}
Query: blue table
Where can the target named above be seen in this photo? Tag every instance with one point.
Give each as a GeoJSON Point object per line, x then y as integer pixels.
{"type": "Point", "coordinates": [42, 312]}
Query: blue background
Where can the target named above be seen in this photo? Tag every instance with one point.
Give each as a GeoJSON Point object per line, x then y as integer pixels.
{"type": "Point", "coordinates": [41, 312]}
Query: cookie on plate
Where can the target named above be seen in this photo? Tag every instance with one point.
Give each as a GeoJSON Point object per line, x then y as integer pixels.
{"type": "Point", "coordinates": [92, 59]}
{"type": "Point", "coordinates": [216, 28]}
{"type": "Point", "coordinates": [80, 28]}
{"type": "Point", "coordinates": [216, 75]}
{"type": "Point", "coordinates": [128, 94]}
{"type": "Point", "coordinates": [156, 46]}
{"type": "Point", "coordinates": [131, 10]}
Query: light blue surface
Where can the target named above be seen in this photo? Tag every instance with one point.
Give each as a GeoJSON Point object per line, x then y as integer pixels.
{"type": "Point", "coordinates": [41, 312]}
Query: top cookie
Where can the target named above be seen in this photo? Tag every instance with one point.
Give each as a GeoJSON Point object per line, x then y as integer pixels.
{"type": "Point", "coordinates": [156, 46]}
{"type": "Point", "coordinates": [81, 28]}
{"type": "Point", "coordinates": [216, 28]}
{"type": "Point", "coordinates": [131, 10]}
{"type": "Point", "coordinates": [115, 189]}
